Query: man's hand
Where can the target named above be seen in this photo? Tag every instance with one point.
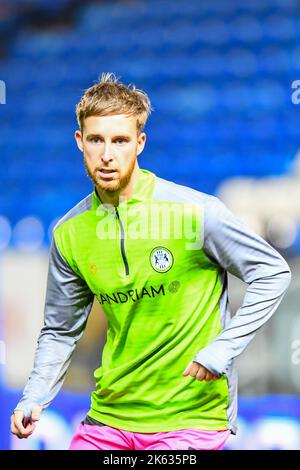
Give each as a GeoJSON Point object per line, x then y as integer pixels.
{"type": "Point", "coordinates": [199, 372]}
{"type": "Point", "coordinates": [24, 427]}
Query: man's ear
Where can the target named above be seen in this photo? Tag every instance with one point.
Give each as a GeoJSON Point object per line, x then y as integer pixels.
{"type": "Point", "coordinates": [78, 138]}
{"type": "Point", "coordinates": [141, 142]}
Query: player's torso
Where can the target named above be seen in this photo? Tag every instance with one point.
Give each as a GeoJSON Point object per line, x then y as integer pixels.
{"type": "Point", "coordinates": [137, 251]}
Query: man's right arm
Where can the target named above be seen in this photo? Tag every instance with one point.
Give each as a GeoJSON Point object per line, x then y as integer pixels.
{"type": "Point", "coordinates": [68, 304]}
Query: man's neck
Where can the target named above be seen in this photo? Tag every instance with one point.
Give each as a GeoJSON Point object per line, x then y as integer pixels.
{"type": "Point", "coordinates": [114, 198]}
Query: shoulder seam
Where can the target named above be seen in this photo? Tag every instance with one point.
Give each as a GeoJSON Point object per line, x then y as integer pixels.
{"type": "Point", "coordinates": [82, 206]}
{"type": "Point", "coordinates": [190, 194]}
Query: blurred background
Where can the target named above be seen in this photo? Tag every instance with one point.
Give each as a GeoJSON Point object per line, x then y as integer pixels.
{"type": "Point", "coordinates": [221, 76]}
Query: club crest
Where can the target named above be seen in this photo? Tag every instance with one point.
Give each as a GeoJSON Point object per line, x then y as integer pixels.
{"type": "Point", "coordinates": [161, 259]}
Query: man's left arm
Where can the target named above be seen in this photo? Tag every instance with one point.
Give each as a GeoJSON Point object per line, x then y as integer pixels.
{"type": "Point", "coordinates": [238, 250]}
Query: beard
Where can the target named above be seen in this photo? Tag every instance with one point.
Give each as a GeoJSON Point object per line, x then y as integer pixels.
{"type": "Point", "coordinates": [119, 181]}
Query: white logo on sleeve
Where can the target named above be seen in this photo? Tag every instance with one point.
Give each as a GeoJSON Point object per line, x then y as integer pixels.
{"type": "Point", "coordinates": [161, 259]}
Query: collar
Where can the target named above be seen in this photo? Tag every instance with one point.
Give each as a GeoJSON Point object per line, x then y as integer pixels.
{"type": "Point", "coordinates": [142, 191]}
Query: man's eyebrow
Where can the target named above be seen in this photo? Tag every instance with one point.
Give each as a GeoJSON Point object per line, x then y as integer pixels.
{"type": "Point", "coordinates": [122, 136]}
{"type": "Point", "coordinates": [119, 136]}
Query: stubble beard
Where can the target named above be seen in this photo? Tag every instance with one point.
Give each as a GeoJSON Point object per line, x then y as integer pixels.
{"type": "Point", "coordinates": [113, 186]}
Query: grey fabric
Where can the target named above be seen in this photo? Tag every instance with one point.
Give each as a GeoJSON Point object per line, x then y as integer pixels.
{"type": "Point", "coordinates": [232, 247]}
{"type": "Point", "coordinates": [82, 206]}
{"type": "Point", "coordinates": [91, 421]}
{"type": "Point", "coordinates": [67, 306]}
{"type": "Point", "coordinates": [68, 303]}
{"type": "Point", "coordinates": [244, 254]}
{"type": "Point", "coordinates": [228, 244]}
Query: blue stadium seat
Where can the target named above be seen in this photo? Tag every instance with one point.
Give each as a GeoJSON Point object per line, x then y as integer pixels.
{"type": "Point", "coordinates": [218, 73]}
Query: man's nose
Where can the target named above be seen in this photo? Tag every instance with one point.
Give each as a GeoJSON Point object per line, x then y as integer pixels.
{"type": "Point", "coordinates": [107, 156]}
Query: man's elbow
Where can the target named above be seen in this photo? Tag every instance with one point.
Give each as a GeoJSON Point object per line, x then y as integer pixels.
{"type": "Point", "coordinates": [278, 277]}
{"type": "Point", "coordinates": [288, 276]}
{"type": "Point", "coordinates": [285, 275]}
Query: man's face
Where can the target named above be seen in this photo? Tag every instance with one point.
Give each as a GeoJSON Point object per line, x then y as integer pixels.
{"type": "Point", "coordinates": [110, 146]}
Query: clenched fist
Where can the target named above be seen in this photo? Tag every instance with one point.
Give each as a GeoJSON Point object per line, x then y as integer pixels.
{"type": "Point", "coordinates": [23, 427]}
{"type": "Point", "coordinates": [194, 369]}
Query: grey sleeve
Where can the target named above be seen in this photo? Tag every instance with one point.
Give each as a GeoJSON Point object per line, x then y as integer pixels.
{"type": "Point", "coordinates": [238, 250]}
{"type": "Point", "coordinates": [67, 306]}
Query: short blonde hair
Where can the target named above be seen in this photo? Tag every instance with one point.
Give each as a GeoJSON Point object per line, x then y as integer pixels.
{"type": "Point", "coordinates": [109, 96]}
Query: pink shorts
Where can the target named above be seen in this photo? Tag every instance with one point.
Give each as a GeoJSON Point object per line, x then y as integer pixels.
{"type": "Point", "coordinates": [94, 437]}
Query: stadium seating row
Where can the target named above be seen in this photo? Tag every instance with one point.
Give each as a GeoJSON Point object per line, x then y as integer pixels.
{"type": "Point", "coordinates": [219, 76]}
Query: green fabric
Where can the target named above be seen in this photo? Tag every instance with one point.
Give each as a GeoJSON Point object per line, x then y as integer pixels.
{"type": "Point", "coordinates": [159, 315]}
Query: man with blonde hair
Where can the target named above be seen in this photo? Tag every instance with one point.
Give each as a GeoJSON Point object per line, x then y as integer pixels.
{"type": "Point", "coordinates": [156, 256]}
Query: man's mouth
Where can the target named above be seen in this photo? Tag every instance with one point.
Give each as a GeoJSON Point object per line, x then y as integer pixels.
{"type": "Point", "coordinates": [106, 173]}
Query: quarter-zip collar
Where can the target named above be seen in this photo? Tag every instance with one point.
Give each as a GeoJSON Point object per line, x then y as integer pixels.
{"type": "Point", "coordinates": [143, 189]}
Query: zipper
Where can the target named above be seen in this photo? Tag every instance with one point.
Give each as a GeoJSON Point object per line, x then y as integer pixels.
{"type": "Point", "coordinates": [125, 261]}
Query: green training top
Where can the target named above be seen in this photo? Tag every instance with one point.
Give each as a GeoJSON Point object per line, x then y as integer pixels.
{"type": "Point", "coordinates": [158, 266]}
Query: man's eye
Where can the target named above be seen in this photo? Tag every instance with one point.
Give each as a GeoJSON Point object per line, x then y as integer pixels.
{"type": "Point", "coordinates": [95, 140]}
{"type": "Point", "coordinates": [120, 141]}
